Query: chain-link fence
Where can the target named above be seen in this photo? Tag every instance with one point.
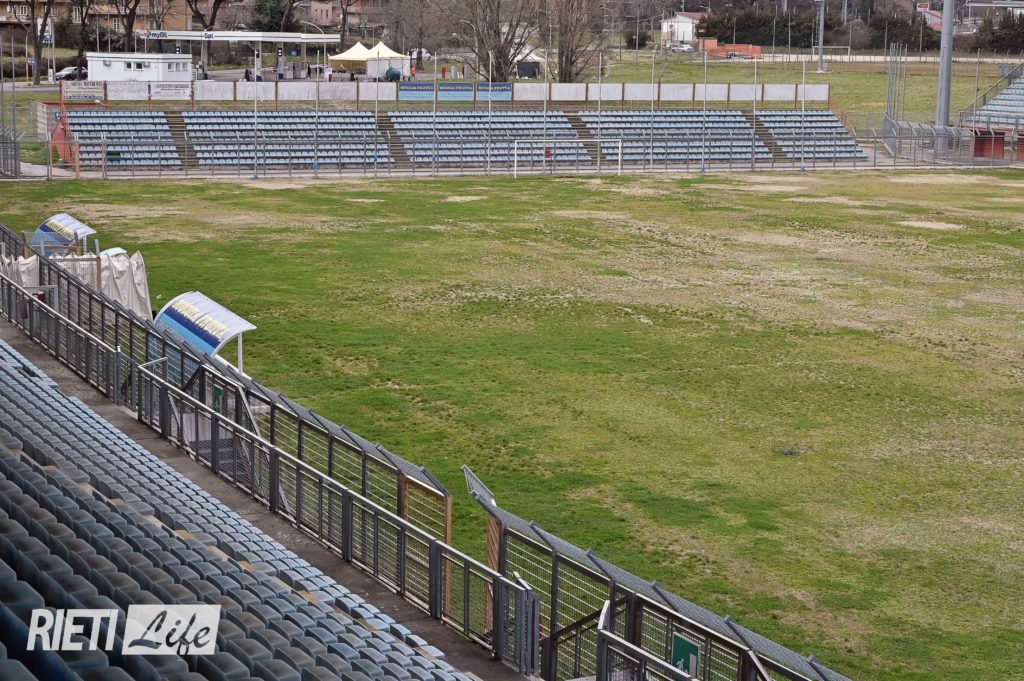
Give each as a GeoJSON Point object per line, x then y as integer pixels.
{"type": "Point", "coordinates": [470, 597]}
{"type": "Point", "coordinates": [394, 483]}
{"type": "Point", "coordinates": [573, 585]}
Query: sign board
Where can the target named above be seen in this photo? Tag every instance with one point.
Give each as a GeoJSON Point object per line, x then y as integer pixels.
{"type": "Point", "coordinates": [685, 655]}
{"type": "Point", "coordinates": [204, 324]}
{"type": "Point", "coordinates": [495, 92]}
{"type": "Point", "coordinates": [81, 90]}
{"type": "Point", "coordinates": [170, 90]}
{"type": "Point", "coordinates": [64, 229]}
{"type": "Point", "coordinates": [416, 92]}
{"type": "Point", "coordinates": [455, 92]}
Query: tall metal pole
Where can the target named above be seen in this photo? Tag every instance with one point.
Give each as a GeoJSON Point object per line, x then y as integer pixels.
{"type": "Point", "coordinates": [256, 59]}
{"type": "Point", "coordinates": [316, 120]}
{"type": "Point", "coordinates": [14, 90]}
{"type": "Point", "coordinates": [945, 64]}
{"type": "Point", "coordinates": [821, 37]}
{"type": "Point", "coordinates": [600, 92]}
{"type": "Point", "coordinates": [3, 87]}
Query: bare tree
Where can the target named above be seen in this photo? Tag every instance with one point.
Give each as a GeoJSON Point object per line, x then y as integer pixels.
{"type": "Point", "coordinates": [80, 13]}
{"type": "Point", "coordinates": [127, 12]}
{"type": "Point", "coordinates": [575, 33]}
{"type": "Point", "coordinates": [412, 24]}
{"type": "Point", "coordinates": [36, 28]}
{"type": "Point", "coordinates": [499, 29]}
{"type": "Point", "coordinates": [346, 7]}
{"type": "Point", "coordinates": [158, 11]}
{"type": "Point", "coordinates": [286, 17]}
{"type": "Point", "coordinates": [205, 20]}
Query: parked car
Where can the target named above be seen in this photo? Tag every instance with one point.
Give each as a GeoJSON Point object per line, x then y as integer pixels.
{"type": "Point", "coordinates": [71, 73]}
{"type": "Point", "coordinates": [426, 55]}
{"type": "Point", "coordinates": [682, 47]}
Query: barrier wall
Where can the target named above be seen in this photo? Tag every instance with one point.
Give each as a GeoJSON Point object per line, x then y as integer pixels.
{"type": "Point", "coordinates": [294, 91]}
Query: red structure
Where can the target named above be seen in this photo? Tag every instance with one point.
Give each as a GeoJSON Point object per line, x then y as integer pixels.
{"type": "Point", "coordinates": [729, 50]}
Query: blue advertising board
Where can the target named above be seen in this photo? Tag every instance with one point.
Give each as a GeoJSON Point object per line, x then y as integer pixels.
{"type": "Point", "coordinates": [204, 324]}
{"type": "Point", "coordinates": [416, 92]}
{"type": "Point", "coordinates": [455, 92]}
{"type": "Point", "coordinates": [495, 92]}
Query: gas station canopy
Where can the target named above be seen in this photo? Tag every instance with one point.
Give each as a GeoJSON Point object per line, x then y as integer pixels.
{"type": "Point", "coordinates": [245, 37]}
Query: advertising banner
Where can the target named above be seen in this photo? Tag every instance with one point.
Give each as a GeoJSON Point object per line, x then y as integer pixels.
{"type": "Point", "coordinates": [455, 92]}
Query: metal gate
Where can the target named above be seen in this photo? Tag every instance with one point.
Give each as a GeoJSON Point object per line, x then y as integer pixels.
{"type": "Point", "coordinates": [10, 159]}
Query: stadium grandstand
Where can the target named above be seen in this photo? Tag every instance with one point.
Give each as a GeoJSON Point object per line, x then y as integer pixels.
{"type": "Point", "coordinates": [90, 519]}
{"type": "Point", "coordinates": [210, 141]}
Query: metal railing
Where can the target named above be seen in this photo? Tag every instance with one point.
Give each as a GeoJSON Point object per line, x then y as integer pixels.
{"type": "Point", "coordinates": [10, 152]}
{"type": "Point", "coordinates": [497, 612]}
{"type": "Point", "coordinates": [970, 112]}
{"type": "Point", "coordinates": [405, 489]}
{"type": "Point", "coordinates": [573, 585]}
{"type": "Point", "coordinates": [566, 156]}
{"type": "Point", "coordinates": [620, 660]}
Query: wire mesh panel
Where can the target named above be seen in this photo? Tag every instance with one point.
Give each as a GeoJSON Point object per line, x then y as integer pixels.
{"type": "Point", "coordinates": [534, 565]}
{"type": "Point", "coordinates": [375, 542]}
{"type": "Point", "coordinates": [426, 509]}
{"type": "Point", "coordinates": [469, 602]}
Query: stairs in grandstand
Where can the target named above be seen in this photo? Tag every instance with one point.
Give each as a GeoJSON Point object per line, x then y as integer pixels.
{"type": "Point", "coordinates": [176, 123]}
{"type": "Point", "coordinates": [766, 136]}
{"type": "Point", "coordinates": [398, 152]}
{"type": "Point", "coordinates": [578, 125]}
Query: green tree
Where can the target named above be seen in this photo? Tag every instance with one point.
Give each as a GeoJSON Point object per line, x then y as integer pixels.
{"type": "Point", "coordinates": [272, 16]}
{"type": "Point", "coordinates": [912, 31]}
{"type": "Point", "coordinates": [755, 27]}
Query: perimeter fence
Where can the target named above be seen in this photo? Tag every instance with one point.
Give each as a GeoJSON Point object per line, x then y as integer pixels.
{"type": "Point", "coordinates": [583, 598]}
{"type": "Point", "coordinates": [10, 152]}
{"type": "Point", "coordinates": [912, 145]}
{"type": "Point", "coordinates": [541, 604]}
{"type": "Point", "coordinates": [496, 612]}
{"type": "Point", "coordinates": [387, 479]}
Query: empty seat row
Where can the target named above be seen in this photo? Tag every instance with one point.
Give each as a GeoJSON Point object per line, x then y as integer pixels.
{"type": "Point", "coordinates": [88, 518]}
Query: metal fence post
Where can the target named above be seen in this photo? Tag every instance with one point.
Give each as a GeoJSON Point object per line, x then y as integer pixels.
{"type": "Point", "coordinates": [346, 525]}
{"type": "Point", "coordinates": [214, 442]}
{"type": "Point", "coordinates": [498, 619]}
{"type": "Point", "coordinates": [436, 579]}
{"type": "Point", "coordinates": [165, 413]}
{"type": "Point", "coordinates": [275, 479]}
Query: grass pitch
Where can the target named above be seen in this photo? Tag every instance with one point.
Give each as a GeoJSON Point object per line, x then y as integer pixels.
{"type": "Point", "coordinates": [792, 398]}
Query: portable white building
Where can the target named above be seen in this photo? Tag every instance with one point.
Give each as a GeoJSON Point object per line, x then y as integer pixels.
{"type": "Point", "coordinates": [680, 28]}
{"type": "Point", "coordinates": [139, 66]}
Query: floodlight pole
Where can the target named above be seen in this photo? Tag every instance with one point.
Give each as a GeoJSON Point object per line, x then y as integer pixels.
{"type": "Point", "coordinates": [316, 122]}
{"type": "Point", "coordinates": [256, 58]}
{"type": "Point", "coordinates": [945, 64]}
{"type": "Point", "coordinates": [490, 93]}
{"type": "Point", "coordinates": [821, 36]}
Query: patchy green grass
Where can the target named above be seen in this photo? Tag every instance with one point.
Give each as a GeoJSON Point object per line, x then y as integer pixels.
{"type": "Point", "coordinates": [793, 398]}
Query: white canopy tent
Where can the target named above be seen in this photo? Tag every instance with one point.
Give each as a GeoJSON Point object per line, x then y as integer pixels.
{"type": "Point", "coordinates": [352, 59]}
{"type": "Point", "coordinates": [380, 58]}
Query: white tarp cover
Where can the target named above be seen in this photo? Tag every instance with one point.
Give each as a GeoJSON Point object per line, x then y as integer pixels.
{"type": "Point", "coordinates": [22, 271]}
{"type": "Point", "coordinates": [121, 278]}
{"type": "Point", "coordinates": [124, 279]}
